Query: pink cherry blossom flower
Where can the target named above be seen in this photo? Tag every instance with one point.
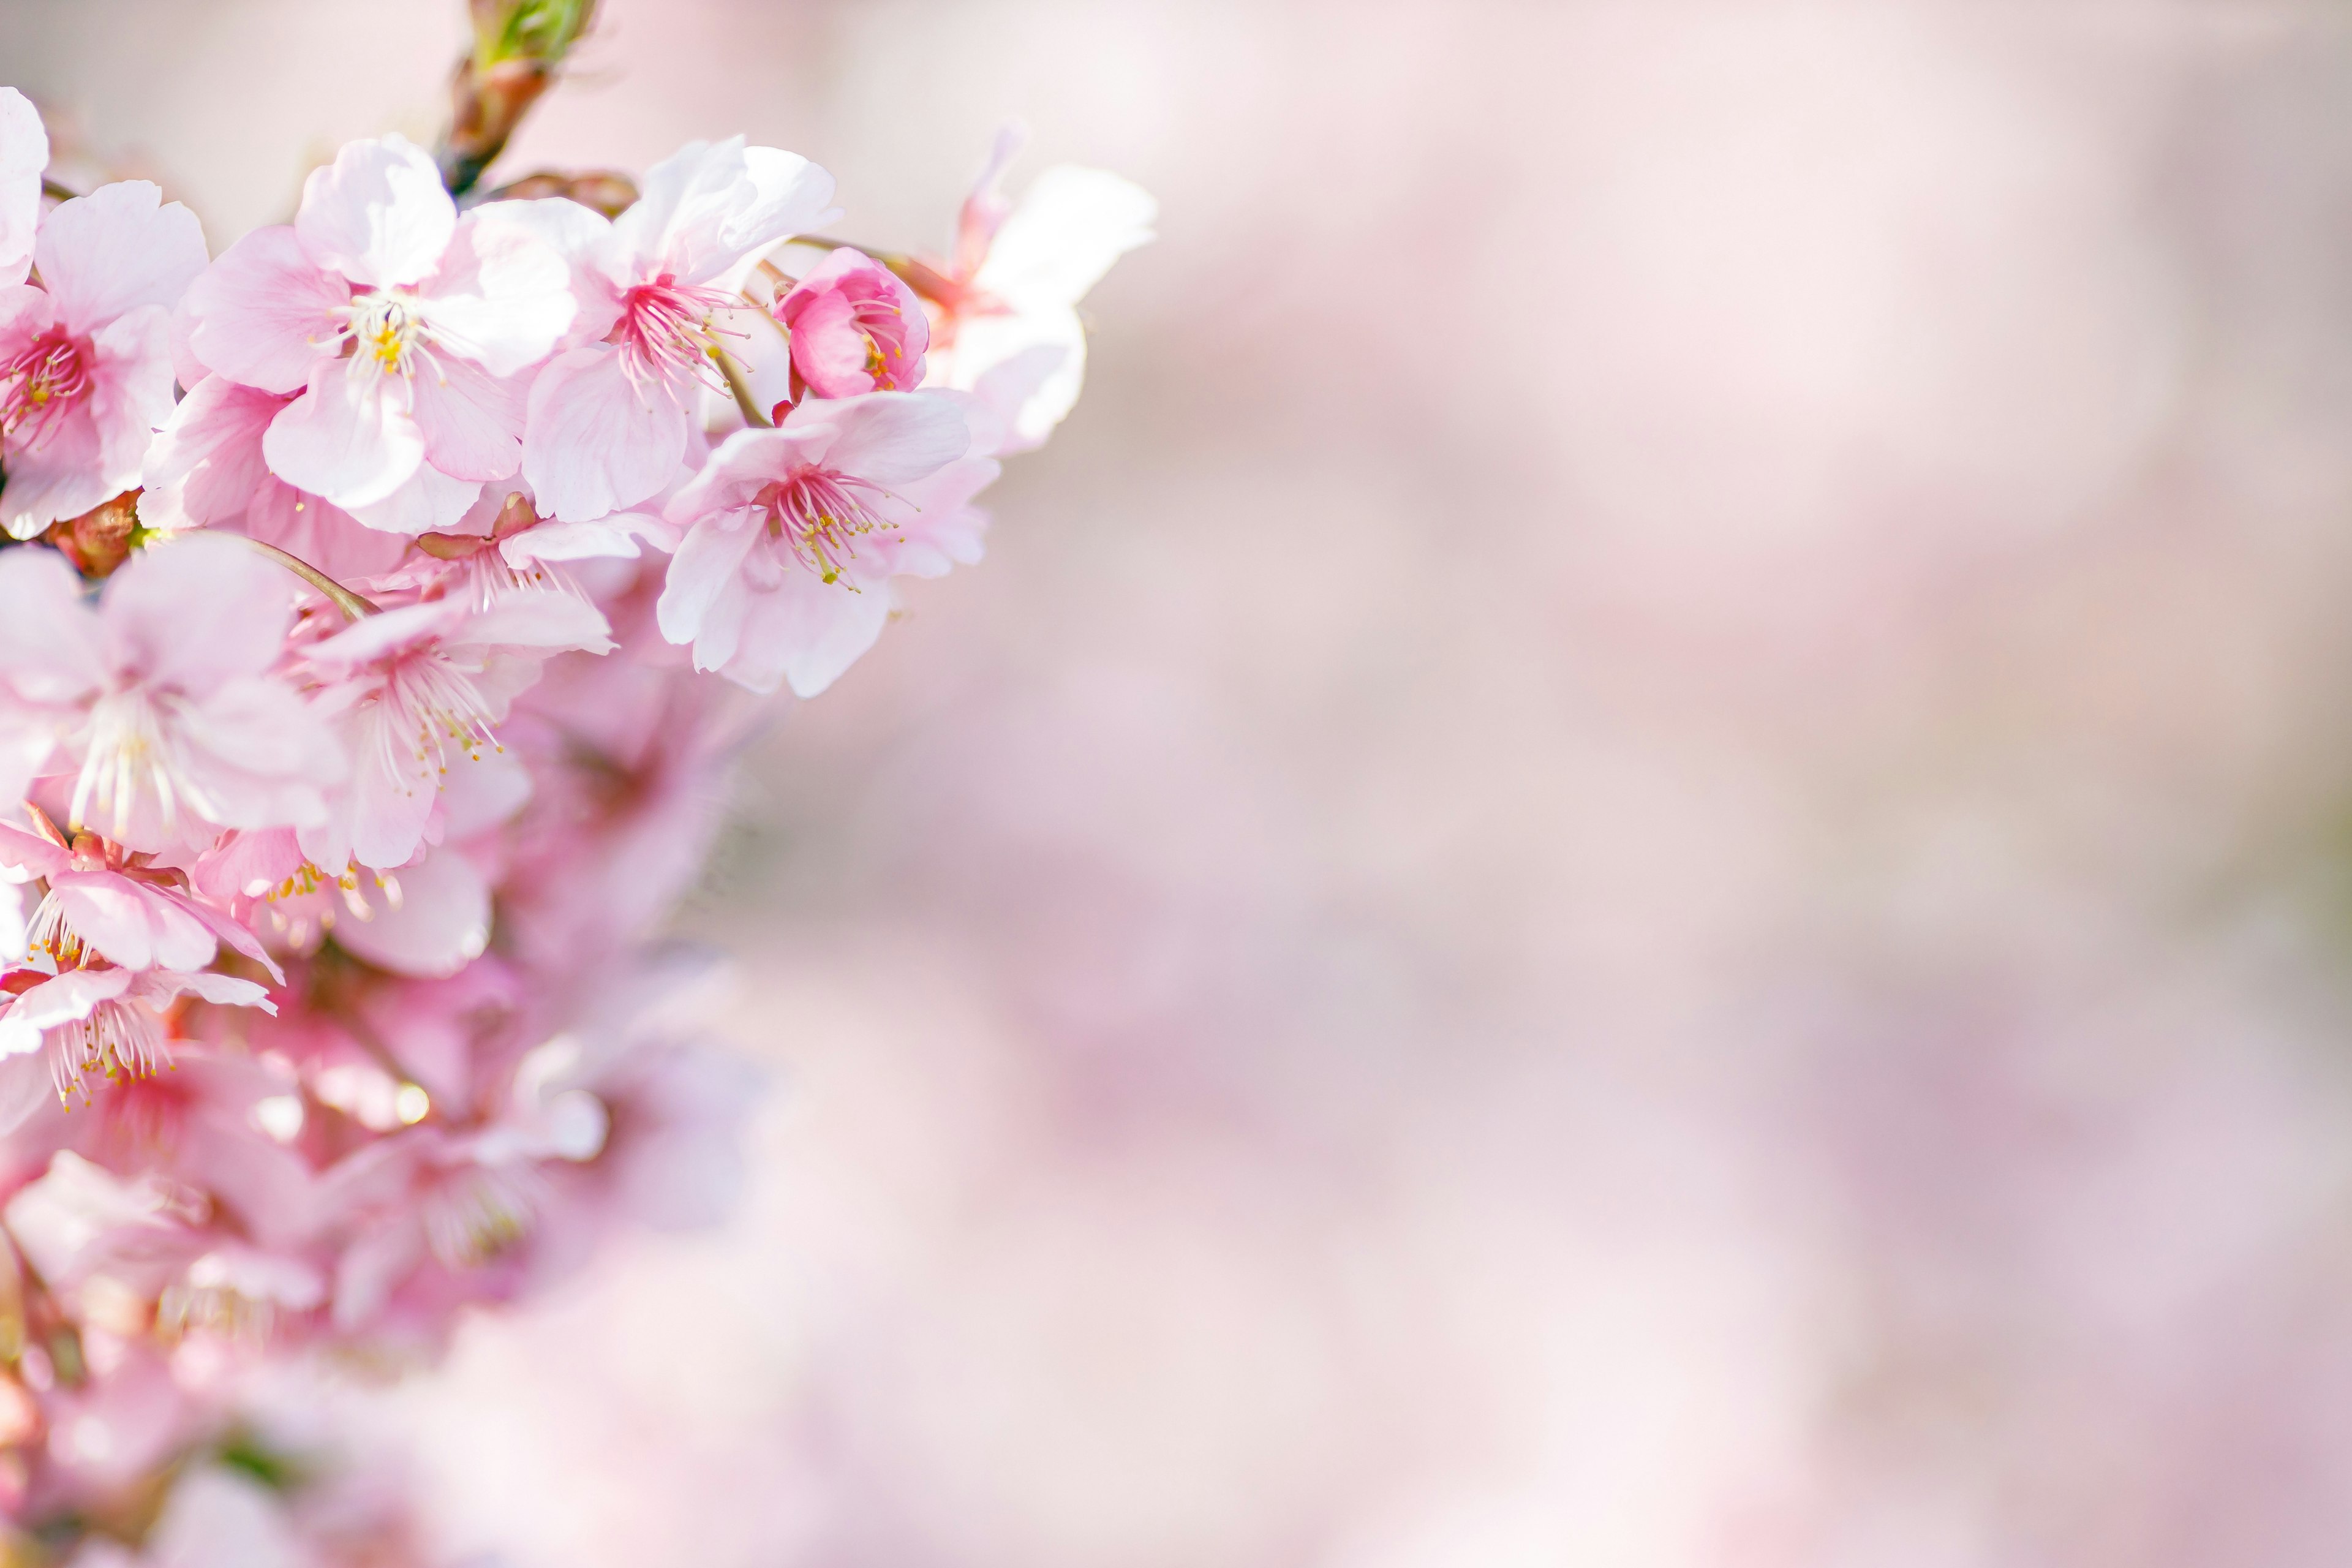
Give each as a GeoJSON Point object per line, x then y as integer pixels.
{"type": "Point", "coordinates": [24, 153]}
{"type": "Point", "coordinates": [85, 358]}
{"type": "Point", "coordinates": [108, 1022]}
{"type": "Point", "coordinates": [1009, 327]}
{"type": "Point", "coordinates": [609, 419]}
{"type": "Point", "coordinates": [159, 699]}
{"type": "Point", "coordinates": [119, 907]}
{"type": "Point", "coordinates": [412, 686]}
{"type": "Point", "coordinates": [207, 469]}
{"type": "Point", "coordinates": [395, 321]}
{"type": "Point", "coordinates": [794, 533]}
{"type": "Point", "coordinates": [854, 328]}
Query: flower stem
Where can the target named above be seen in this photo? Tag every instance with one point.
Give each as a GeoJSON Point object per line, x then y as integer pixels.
{"type": "Point", "coordinates": [739, 385]}
{"type": "Point", "coordinates": [354, 606]}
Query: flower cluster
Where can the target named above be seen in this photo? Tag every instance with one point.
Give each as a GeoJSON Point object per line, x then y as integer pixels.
{"type": "Point", "coordinates": [355, 737]}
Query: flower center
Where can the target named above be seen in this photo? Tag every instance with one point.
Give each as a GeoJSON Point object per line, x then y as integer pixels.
{"type": "Point", "coordinates": [39, 384]}
{"type": "Point", "coordinates": [119, 1039]}
{"type": "Point", "coordinates": [386, 332]}
{"type": "Point", "coordinates": [818, 514]}
{"type": "Point", "coordinates": [430, 705]}
{"type": "Point", "coordinates": [664, 333]}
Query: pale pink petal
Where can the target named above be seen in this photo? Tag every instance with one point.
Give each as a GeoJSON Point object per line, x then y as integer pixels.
{"type": "Point", "coordinates": [31, 853]}
{"type": "Point", "coordinates": [195, 613]}
{"type": "Point", "coordinates": [583, 239]}
{"type": "Point", "coordinates": [378, 214]}
{"type": "Point", "coordinates": [259, 755]}
{"type": "Point", "coordinates": [472, 424]}
{"type": "Point", "coordinates": [116, 250]}
{"type": "Point", "coordinates": [805, 632]}
{"type": "Point", "coordinates": [890, 437]}
{"type": "Point", "coordinates": [264, 311]}
{"type": "Point", "coordinates": [57, 479]}
{"type": "Point", "coordinates": [441, 924]}
{"type": "Point", "coordinates": [935, 527]}
{"type": "Point", "coordinates": [347, 438]}
{"type": "Point", "coordinates": [547, 622]}
{"type": "Point", "coordinates": [130, 394]}
{"type": "Point", "coordinates": [430, 502]}
{"type": "Point", "coordinates": [131, 925]}
{"type": "Point", "coordinates": [594, 442]}
{"type": "Point", "coordinates": [50, 650]}
{"type": "Point", "coordinates": [1043, 353]}
{"type": "Point", "coordinates": [1071, 225]}
{"type": "Point", "coordinates": [25, 1086]}
{"type": "Point", "coordinates": [707, 561]}
{"type": "Point", "coordinates": [316, 531]}
{"type": "Point", "coordinates": [24, 153]}
{"type": "Point", "coordinates": [26, 312]}
{"type": "Point", "coordinates": [210, 449]}
{"type": "Point", "coordinates": [503, 296]}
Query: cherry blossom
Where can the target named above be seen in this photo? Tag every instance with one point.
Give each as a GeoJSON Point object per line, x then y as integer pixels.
{"type": "Point", "coordinates": [399, 324]}
{"type": "Point", "coordinates": [414, 690]}
{"type": "Point", "coordinates": [854, 328]}
{"type": "Point", "coordinates": [610, 419]}
{"type": "Point", "coordinates": [794, 533]}
{"type": "Point", "coordinates": [159, 702]}
{"type": "Point", "coordinates": [84, 361]}
{"type": "Point", "coordinates": [1009, 325]}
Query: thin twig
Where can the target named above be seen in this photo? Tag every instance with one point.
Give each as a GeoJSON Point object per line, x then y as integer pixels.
{"type": "Point", "coordinates": [354, 606]}
{"type": "Point", "coordinates": [739, 385]}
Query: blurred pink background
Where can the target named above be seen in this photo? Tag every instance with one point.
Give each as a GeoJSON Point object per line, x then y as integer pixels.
{"type": "Point", "coordinates": [1639, 852]}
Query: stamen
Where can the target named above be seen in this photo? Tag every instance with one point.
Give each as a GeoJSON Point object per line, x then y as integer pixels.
{"type": "Point", "coordinates": [39, 384]}
{"type": "Point", "coordinates": [818, 513]}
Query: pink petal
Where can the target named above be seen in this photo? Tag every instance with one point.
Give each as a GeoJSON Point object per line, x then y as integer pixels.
{"type": "Point", "coordinates": [130, 393]}
{"type": "Point", "coordinates": [210, 448]}
{"type": "Point", "coordinates": [430, 502]}
{"type": "Point", "coordinates": [442, 923]}
{"type": "Point", "coordinates": [49, 644]}
{"type": "Point", "coordinates": [196, 612]}
{"type": "Point", "coordinates": [347, 438]}
{"type": "Point", "coordinates": [116, 250]}
{"type": "Point", "coordinates": [503, 296]}
{"type": "Point", "coordinates": [62, 476]}
{"type": "Point", "coordinates": [807, 632]}
{"type": "Point", "coordinates": [593, 443]}
{"type": "Point", "coordinates": [264, 311]}
{"type": "Point", "coordinates": [130, 925]}
{"type": "Point", "coordinates": [24, 153]}
{"type": "Point", "coordinates": [378, 214]}
{"type": "Point", "coordinates": [707, 561]}
{"type": "Point", "coordinates": [890, 437]}
{"type": "Point", "coordinates": [472, 424]}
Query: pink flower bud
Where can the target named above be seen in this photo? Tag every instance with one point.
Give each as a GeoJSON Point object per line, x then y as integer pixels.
{"type": "Point", "coordinates": [856, 328]}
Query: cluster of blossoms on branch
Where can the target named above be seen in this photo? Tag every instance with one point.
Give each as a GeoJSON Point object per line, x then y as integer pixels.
{"type": "Point", "coordinates": [383, 598]}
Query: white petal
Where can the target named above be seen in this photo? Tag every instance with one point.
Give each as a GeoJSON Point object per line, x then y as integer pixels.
{"type": "Point", "coordinates": [378, 214]}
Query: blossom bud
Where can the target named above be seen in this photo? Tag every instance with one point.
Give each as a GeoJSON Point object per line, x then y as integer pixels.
{"type": "Point", "coordinates": [856, 328]}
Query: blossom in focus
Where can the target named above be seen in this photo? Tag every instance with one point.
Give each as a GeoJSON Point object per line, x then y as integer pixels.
{"type": "Point", "coordinates": [85, 357]}
{"type": "Point", "coordinates": [854, 328]}
{"type": "Point", "coordinates": [610, 418]}
{"type": "Point", "coordinates": [416, 687]}
{"type": "Point", "coordinates": [792, 534]}
{"type": "Point", "coordinates": [398, 322]}
{"type": "Point", "coordinates": [24, 153]}
{"type": "Point", "coordinates": [159, 702]}
{"type": "Point", "coordinates": [119, 907]}
{"type": "Point", "coordinates": [1009, 328]}
{"type": "Point", "coordinates": [107, 1023]}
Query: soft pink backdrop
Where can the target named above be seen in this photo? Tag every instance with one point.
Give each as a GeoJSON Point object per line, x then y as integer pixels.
{"type": "Point", "coordinates": [1635, 853]}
